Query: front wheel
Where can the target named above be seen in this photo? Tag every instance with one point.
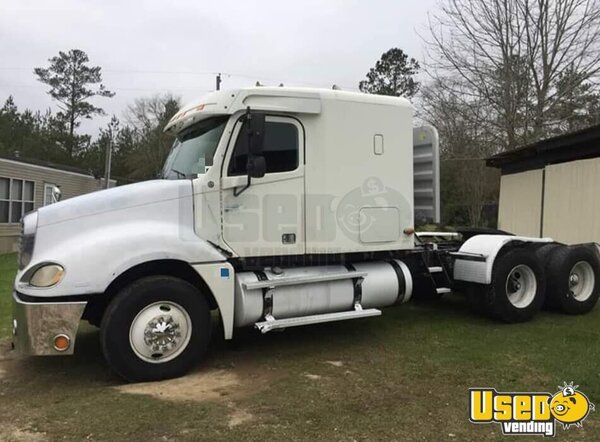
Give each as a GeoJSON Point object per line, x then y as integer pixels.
{"type": "Point", "coordinates": [156, 328]}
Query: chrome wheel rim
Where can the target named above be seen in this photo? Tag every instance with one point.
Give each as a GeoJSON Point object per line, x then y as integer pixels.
{"type": "Point", "coordinates": [581, 281]}
{"type": "Point", "coordinates": [521, 286]}
{"type": "Point", "coordinates": [160, 332]}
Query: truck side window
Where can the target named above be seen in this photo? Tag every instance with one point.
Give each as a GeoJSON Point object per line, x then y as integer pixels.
{"type": "Point", "coordinates": [280, 150]}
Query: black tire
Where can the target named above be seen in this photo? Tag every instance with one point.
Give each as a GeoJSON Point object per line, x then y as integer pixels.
{"type": "Point", "coordinates": [133, 299]}
{"type": "Point", "coordinates": [544, 253]}
{"type": "Point", "coordinates": [477, 296]}
{"type": "Point", "coordinates": [496, 298]}
{"type": "Point", "coordinates": [560, 292]}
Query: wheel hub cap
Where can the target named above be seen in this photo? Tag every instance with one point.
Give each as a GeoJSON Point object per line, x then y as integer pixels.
{"type": "Point", "coordinates": [573, 280]}
{"type": "Point", "coordinates": [582, 281]}
{"type": "Point", "coordinates": [161, 333]}
{"type": "Point", "coordinates": [521, 286]}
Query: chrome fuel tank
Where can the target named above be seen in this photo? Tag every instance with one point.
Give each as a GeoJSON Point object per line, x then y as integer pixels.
{"type": "Point", "coordinates": [383, 284]}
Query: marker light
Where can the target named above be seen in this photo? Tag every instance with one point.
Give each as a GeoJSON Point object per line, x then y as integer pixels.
{"type": "Point", "coordinates": [62, 342]}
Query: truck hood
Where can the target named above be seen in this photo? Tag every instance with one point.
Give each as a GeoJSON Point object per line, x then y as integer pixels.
{"type": "Point", "coordinates": [114, 200]}
{"type": "Point", "coordinates": [99, 236]}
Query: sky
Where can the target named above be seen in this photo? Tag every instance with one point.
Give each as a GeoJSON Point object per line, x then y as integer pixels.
{"type": "Point", "coordinates": [150, 47]}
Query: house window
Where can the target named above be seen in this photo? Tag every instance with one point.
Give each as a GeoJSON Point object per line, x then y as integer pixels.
{"type": "Point", "coordinates": [16, 199]}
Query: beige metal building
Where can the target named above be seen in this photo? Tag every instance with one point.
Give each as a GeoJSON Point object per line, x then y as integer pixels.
{"type": "Point", "coordinates": [26, 185]}
{"type": "Point", "coordinates": [552, 188]}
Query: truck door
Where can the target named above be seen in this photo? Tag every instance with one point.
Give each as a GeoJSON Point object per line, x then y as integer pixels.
{"type": "Point", "coordinates": [267, 218]}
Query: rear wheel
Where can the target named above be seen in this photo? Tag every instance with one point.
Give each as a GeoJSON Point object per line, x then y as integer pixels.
{"type": "Point", "coordinates": [156, 328]}
{"type": "Point", "coordinates": [543, 254]}
{"type": "Point", "coordinates": [518, 285]}
{"type": "Point", "coordinates": [477, 296]}
{"type": "Point", "coordinates": [573, 279]}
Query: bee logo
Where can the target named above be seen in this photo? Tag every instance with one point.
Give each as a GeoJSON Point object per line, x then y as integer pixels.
{"type": "Point", "coordinates": [570, 406]}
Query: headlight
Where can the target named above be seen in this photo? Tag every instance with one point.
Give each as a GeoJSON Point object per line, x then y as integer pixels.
{"type": "Point", "coordinates": [47, 275]}
{"type": "Point", "coordinates": [27, 239]}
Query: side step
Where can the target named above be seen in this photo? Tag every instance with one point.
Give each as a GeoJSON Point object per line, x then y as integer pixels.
{"type": "Point", "coordinates": [272, 324]}
{"type": "Point", "coordinates": [442, 290]}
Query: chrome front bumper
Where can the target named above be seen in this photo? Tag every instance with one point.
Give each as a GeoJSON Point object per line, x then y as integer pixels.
{"type": "Point", "coordinates": [37, 324]}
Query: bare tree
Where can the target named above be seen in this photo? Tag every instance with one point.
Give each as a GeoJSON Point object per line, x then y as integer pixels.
{"type": "Point", "coordinates": [467, 185]}
{"type": "Point", "coordinates": [506, 73]}
{"type": "Point", "coordinates": [148, 117]}
{"type": "Point", "coordinates": [512, 54]}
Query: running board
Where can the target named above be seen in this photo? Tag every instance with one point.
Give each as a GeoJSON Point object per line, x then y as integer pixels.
{"type": "Point", "coordinates": [442, 290]}
{"type": "Point", "coordinates": [272, 324]}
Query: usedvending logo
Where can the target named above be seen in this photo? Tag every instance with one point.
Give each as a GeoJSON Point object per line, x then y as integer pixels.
{"type": "Point", "coordinates": [529, 413]}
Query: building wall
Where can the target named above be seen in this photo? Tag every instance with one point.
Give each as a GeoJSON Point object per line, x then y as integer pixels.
{"type": "Point", "coordinates": [71, 184]}
{"type": "Point", "coordinates": [520, 204]}
{"type": "Point", "coordinates": [572, 201]}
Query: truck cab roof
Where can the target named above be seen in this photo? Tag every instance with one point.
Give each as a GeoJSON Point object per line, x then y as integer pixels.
{"type": "Point", "coordinates": [294, 100]}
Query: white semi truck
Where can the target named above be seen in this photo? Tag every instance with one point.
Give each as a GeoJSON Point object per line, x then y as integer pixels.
{"type": "Point", "coordinates": [279, 207]}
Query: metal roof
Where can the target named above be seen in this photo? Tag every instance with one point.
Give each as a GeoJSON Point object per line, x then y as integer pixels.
{"type": "Point", "coordinates": [572, 146]}
{"type": "Point", "coordinates": [47, 164]}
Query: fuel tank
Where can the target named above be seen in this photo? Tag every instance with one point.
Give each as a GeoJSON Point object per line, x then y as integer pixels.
{"type": "Point", "coordinates": [385, 283]}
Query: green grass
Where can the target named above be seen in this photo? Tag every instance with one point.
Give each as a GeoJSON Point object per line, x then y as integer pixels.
{"type": "Point", "coordinates": [8, 269]}
{"type": "Point", "coordinates": [404, 377]}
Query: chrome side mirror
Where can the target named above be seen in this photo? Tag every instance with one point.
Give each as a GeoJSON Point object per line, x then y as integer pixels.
{"type": "Point", "coordinates": [56, 194]}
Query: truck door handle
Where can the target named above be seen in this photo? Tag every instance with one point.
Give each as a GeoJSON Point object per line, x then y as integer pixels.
{"type": "Point", "coordinates": [232, 207]}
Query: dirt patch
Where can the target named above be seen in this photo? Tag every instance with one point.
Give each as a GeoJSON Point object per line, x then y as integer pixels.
{"type": "Point", "coordinates": [14, 434]}
{"type": "Point", "coordinates": [238, 416]}
{"type": "Point", "coordinates": [201, 386]}
{"type": "Point", "coordinates": [6, 351]}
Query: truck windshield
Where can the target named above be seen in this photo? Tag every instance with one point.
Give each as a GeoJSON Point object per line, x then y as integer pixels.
{"type": "Point", "coordinates": [193, 150]}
